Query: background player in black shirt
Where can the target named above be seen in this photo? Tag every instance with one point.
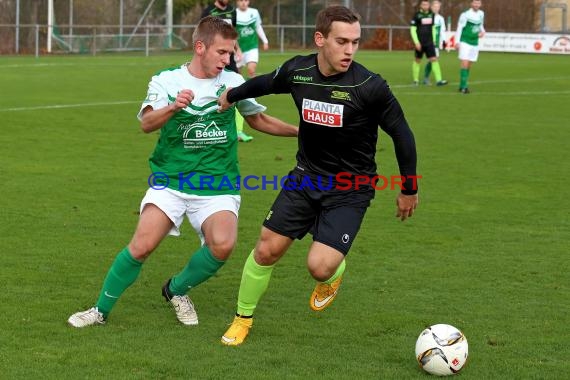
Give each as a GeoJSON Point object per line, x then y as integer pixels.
{"type": "Point", "coordinates": [423, 34]}
{"type": "Point", "coordinates": [225, 11]}
{"type": "Point", "coordinates": [340, 104]}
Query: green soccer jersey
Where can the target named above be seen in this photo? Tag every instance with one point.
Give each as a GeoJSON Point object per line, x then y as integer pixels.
{"type": "Point", "coordinates": [469, 26]}
{"type": "Point", "coordinates": [196, 152]}
{"type": "Point", "coordinates": [248, 25]}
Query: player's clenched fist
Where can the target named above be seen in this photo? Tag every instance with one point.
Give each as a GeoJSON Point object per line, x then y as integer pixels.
{"type": "Point", "coordinates": [183, 99]}
{"type": "Point", "coordinates": [223, 103]}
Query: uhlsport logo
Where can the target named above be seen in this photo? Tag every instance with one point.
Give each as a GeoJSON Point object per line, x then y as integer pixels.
{"type": "Point", "coordinates": [301, 78]}
{"type": "Point", "coordinates": [199, 135]}
{"type": "Point", "coordinates": [327, 114]}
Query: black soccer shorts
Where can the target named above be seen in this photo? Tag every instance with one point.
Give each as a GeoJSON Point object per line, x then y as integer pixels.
{"type": "Point", "coordinates": [428, 50]}
{"type": "Point", "coordinates": [333, 217]}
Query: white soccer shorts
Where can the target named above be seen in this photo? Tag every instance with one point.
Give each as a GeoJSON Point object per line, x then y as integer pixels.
{"type": "Point", "coordinates": [468, 52]}
{"type": "Point", "coordinates": [197, 208]}
{"type": "Point", "coordinates": [249, 56]}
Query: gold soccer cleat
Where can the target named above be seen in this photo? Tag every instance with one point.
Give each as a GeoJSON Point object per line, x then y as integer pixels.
{"type": "Point", "coordinates": [237, 332]}
{"type": "Point", "coordinates": [324, 294]}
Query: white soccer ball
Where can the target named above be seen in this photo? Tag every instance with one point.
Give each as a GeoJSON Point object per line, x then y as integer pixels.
{"type": "Point", "coordinates": [441, 350]}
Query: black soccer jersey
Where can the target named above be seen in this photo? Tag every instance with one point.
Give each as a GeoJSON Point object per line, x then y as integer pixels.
{"type": "Point", "coordinates": [424, 22]}
{"type": "Point", "coordinates": [229, 14]}
{"type": "Point", "coordinates": [339, 116]}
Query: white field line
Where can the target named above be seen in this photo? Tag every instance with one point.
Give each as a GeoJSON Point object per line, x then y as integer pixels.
{"type": "Point", "coordinates": [77, 105]}
{"type": "Point", "coordinates": [78, 64]}
{"type": "Point", "coordinates": [486, 93]}
{"type": "Point", "coordinates": [406, 86]}
{"type": "Point", "coordinates": [514, 80]}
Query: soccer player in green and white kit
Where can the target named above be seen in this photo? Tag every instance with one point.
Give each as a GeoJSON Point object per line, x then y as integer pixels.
{"type": "Point", "coordinates": [440, 29]}
{"type": "Point", "coordinates": [469, 29]}
{"type": "Point", "coordinates": [195, 171]}
{"type": "Point", "coordinates": [249, 29]}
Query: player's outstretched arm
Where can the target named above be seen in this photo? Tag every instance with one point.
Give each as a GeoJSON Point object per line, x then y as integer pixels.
{"type": "Point", "coordinates": [154, 119]}
{"type": "Point", "coordinates": [271, 125]}
{"type": "Point", "coordinates": [253, 88]}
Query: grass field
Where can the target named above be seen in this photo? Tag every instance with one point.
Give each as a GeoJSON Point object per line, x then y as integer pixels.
{"type": "Point", "coordinates": [487, 251]}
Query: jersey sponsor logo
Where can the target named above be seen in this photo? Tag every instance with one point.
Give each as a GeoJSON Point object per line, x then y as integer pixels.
{"type": "Point", "coordinates": [301, 78]}
{"type": "Point", "coordinates": [199, 135]}
{"type": "Point", "coordinates": [427, 21]}
{"type": "Point", "coordinates": [321, 113]}
{"type": "Point", "coordinates": [341, 95]}
{"type": "Point", "coordinates": [246, 32]}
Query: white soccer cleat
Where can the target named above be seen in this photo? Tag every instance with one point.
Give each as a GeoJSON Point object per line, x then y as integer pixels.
{"type": "Point", "coordinates": [185, 311]}
{"type": "Point", "coordinates": [183, 306]}
{"type": "Point", "coordinates": [87, 318]}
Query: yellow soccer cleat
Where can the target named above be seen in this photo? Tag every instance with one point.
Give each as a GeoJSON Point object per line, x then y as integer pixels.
{"type": "Point", "coordinates": [237, 332]}
{"type": "Point", "coordinates": [324, 294]}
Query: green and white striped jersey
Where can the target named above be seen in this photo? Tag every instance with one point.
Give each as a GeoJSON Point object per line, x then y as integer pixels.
{"type": "Point", "coordinates": [469, 26]}
{"type": "Point", "coordinates": [197, 147]}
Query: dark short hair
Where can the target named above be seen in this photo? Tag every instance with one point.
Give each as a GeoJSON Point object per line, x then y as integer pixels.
{"type": "Point", "coordinates": [327, 16]}
{"type": "Point", "coordinates": [209, 27]}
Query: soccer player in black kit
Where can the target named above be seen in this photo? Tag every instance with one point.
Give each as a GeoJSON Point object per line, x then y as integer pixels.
{"type": "Point", "coordinates": [340, 104]}
{"type": "Point", "coordinates": [424, 33]}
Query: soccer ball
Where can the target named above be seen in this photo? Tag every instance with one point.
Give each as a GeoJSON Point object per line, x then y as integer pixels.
{"type": "Point", "coordinates": [441, 350]}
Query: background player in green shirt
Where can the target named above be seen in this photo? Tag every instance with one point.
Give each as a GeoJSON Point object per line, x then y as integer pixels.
{"type": "Point", "coordinates": [196, 160]}
{"type": "Point", "coordinates": [469, 29]}
{"type": "Point", "coordinates": [249, 29]}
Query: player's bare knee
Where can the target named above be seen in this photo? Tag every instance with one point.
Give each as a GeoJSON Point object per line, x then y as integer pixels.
{"type": "Point", "coordinates": [140, 250]}
{"type": "Point", "coordinates": [264, 255]}
{"type": "Point", "coordinates": [222, 249]}
{"type": "Point", "coordinates": [321, 273]}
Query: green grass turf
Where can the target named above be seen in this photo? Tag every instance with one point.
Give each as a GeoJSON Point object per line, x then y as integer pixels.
{"type": "Point", "coordinates": [487, 250]}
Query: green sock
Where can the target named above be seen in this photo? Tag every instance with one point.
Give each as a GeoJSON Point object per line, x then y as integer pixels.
{"type": "Point", "coordinates": [436, 70]}
{"type": "Point", "coordinates": [239, 122]}
{"type": "Point", "coordinates": [338, 273]}
{"type": "Point", "coordinates": [464, 75]}
{"type": "Point", "coordinates": [202, 266]}
{"type": "Point", "coordinates": [122, 274]}
{"type": "Point", "coordinates": [254, 282]}
{"type": "Point", "coordinates": [416, 71]}
{"type": "Point", "coordinates": [427, 71]}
